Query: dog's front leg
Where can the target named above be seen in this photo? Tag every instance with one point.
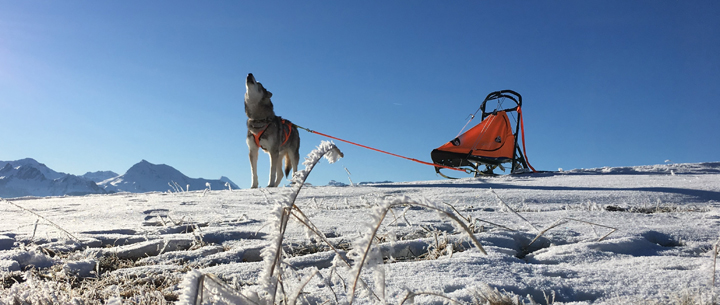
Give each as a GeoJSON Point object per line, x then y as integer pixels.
{"type": "Point", "coordinates": [253, 162]}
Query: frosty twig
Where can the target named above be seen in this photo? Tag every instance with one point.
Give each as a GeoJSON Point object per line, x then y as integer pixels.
{"type": "Point", "coordinates": [43, 218]}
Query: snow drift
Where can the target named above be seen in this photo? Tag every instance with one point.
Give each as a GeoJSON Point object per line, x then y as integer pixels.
{"type": "Point", "coordinates": [645, 234]}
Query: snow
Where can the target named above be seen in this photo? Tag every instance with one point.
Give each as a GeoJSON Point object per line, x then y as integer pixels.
{"type": "Point", "coordinates": [628, 235]}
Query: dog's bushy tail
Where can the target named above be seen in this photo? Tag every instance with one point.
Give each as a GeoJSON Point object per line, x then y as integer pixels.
{"type": "Point", "coordinates": [288, 165]}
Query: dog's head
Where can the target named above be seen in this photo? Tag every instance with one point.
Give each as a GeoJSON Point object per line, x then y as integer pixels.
{"type": "Point", "coordinates": [257, 99]}
{"type": "Point", "coordinates": [255, 92]}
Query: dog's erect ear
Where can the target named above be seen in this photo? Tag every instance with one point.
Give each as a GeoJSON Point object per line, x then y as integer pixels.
{"type": "Point", "coordinates": [266, 93]}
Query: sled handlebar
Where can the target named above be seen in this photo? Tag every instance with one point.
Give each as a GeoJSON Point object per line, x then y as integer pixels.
{"type": "Point", "coordinates": [508, 94]}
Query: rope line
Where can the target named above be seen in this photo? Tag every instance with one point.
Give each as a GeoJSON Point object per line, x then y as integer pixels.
{"type": "Point", "coordinates": [378, 150]}
{"type": "Point", "coordinates": [472, 116]}
{"type": "Point", "coordinates": [522, 127]}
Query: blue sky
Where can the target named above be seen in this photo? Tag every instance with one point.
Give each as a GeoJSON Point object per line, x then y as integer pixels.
{"type": "Point", "coordinates": [101, 85]}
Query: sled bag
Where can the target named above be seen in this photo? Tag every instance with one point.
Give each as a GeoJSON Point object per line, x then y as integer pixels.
{"type": "Point", "coordinates": [491, 141]}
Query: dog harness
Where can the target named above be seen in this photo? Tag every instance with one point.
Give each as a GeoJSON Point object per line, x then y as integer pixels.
{"type": "Point", "coordinates": [283, 123]}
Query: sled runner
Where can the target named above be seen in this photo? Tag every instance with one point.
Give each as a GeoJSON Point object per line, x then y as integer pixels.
{"type": "Point", "coordinates": [491, 143]}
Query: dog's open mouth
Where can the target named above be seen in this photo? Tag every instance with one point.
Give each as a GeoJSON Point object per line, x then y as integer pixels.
{"type": "Point", "coordinates": [250, 79]}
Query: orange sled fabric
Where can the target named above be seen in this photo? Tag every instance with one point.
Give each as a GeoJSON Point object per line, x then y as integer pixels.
{"type": "Point", "coordinates": [492, 138]}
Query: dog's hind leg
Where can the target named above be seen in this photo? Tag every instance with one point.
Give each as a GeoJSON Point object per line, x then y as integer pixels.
{"type": "Point", "coordinates": [275, 168]}
{"type": "Point", "coordinates": [291, 162]}
{"type": "Point", "coordinates": [279, 171]}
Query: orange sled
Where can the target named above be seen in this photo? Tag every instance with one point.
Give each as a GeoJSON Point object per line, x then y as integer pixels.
{"type": "Point", "coordinates": [491, 143]}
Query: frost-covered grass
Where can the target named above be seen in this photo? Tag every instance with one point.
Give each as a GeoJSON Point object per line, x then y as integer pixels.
{"type": "Point", "coordinates": [645, 235]}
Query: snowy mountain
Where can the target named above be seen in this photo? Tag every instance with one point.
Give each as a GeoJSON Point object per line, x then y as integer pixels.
{"type": "Point", "coordinates": [147, 177]}
{"type": "Point", "coordinates": [28, 177]}
{"type": "Point", "coordinates": [29, 162]}
{"type": "Point", "coordinates": [99, 176]}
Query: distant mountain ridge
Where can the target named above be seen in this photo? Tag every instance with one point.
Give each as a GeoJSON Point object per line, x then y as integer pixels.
{"type": "Point", "coordinates": [28, 177]}
{"type": "Point", "coordinates": [99, 176]}
{"type": "Point", "coordinates": [30, 162]}
{"type": "Point", "coordinates": [147, 177]}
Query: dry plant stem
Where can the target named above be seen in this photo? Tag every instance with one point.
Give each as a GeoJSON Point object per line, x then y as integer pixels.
{"type": "Point", "coordinates": [35, 228]}
{"type": "Point", "coordinates": [549, 299]}
{"type": "Point", "coordinates": [201, 289]}
{"type": "Point", "coordinates": [497, 225]}
{"type": "Point", "coordinates": [283, 226]}
{"type": "Point", "coordinates": [43, 218]}
{"type": "Point", "coordinates": [596, 224]}
{"type": "Point", "coordinates": [469, 219]}
{"type": "Point", "coordinates": [395, 218]}
{"type": "Point", "coordinates": [411, 294]}
{"type": "Point", "coordinates": [511, 210]}
{"type": "Point", "coordinates": [219, 282]}
{"type": "Point", "coordinates": [405, 218]}
{"type": "Point", "coordinates": [553, 225]}
{"type": "Point", "coordinates": [305, 221]}
{"type": "Point", "coordinates": [376, 228]}
{"type": "Point", "coordinates": [457, 212]}
{"type": "Point", "coordinates": [329, 285]}
{"type": "Point", "coordinates": [282, 288]}
{"type": "Point", "coordinates": [565, 220]}
{"type": "Point", "coordinates": [299, 181]}
{"type": "Point", "coordinates": [716, 248]}
{"type": "Point", "coordinates": [293, 299]}
{"type": "Point", "coordinates": [453, 217]}
{"type": "Point", "coordinates": [276, 260]}
{"type": "Point", "coordinates": [362, 260]}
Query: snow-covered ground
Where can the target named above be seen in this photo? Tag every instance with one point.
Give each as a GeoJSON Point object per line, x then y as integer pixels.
{"type": "Point", "coordinates": [608, 236]}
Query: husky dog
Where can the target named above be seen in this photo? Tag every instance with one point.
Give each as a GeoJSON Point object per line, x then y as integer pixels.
{"type": "Point", "coordinates": [276, 136]}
